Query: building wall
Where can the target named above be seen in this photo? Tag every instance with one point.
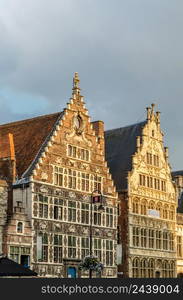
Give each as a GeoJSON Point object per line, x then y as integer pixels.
{"type": "Point", "coordinates": [3, 209]}
{"type": "Point", "coordinates": [74, 151]}
{"type": "Point", "coordinates": [150, 241]}
{"type": "Point", "coordinates": [180, 245]}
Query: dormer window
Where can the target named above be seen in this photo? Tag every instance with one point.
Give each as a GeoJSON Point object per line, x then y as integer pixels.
{"type": "Point", "coordinates": [19, 227]}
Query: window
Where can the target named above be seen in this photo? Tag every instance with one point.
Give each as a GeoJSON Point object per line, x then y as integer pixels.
{"type": "Point", "coordinates": [135, 206]}
{"type": "Point", "coordinates": [19, 227]}
{"type": "Point", "coordinates": [135, 267]}
{"type": "Point", "coordinates": [98, 248]}
{"type": "Point", "coordinates": [97, 216]}
{"type": "Point", "coordinates": [72, 179]}
{"type": "Point", "coordinates": [142, 179]}
{"type": "Point", "coordinates": [165, 269]}
{"type": "Point", "coordinates": [43, 206]}
{"type": "Point", "coordinates": [109, 217]}
{"type": "Point", "coordinates": [72, 211]}
{"type": "Point", "coordinates": [44, 247]}
{"type": "Point", "coordinates": [172, 213]}
{"type": "Point", "coordinates": [109, 253]}
{"type": "Point", "coordinates": [171, 241]}
{"type": "Point", "coordinates": [143, 207]}
{"type": "Point", "coordinates": [143, 238]}
{"type": "Point", "coordinates": [71, 246]}
{"type": "Point", "coordinates": [179, 246]}
{"type": "Point", "coordinates": [58, 176]}
{"type": "Point", "coordinates": [165, 240]}
{"type": "Point", "coordinates": [84, 247]}
{"type": "Point", "coordinates": [57, 248]}
{"type": "Point", "coordinates": [151, 268]}
{"type": "Point", "coordinates": [76, 180]}
{"type": "Point", "coordinates": [143, 268]}
{"type": "Point", "coordinates": [165, 212]}
{"type": "Point", "coordinates": [97, 183]}
{"type": "Point", "coordinates": [151, 238]}
{"type": "Point", "coordinates": [79, 153]}
{"type": "Point", "coordinates": [158, 239]}
{"type": "Point", "coordinates": [58, 209]}
{"type": "Point", "coordinates": [136, 236]}
{"type": "Point", "coordinates": [16, 252]}
{"type": "Point", "coordinates": [85, 213]}
{"type": "Point", "coordinates": [84, 182]}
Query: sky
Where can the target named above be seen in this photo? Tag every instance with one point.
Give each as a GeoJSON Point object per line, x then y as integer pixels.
{"type": "Point", "coordinates": [128, 53]}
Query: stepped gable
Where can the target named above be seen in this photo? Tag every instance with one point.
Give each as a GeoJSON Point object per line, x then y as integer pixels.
{"type": "Point", "coordinates": [120, 145]}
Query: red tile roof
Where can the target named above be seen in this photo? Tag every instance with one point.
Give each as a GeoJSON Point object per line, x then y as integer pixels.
{"type": "Point", "coordinates": [28, 137]}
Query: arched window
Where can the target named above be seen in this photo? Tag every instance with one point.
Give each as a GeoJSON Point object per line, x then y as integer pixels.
{"type": "Point", "coordinates": [165, 269]}
{"type": "Point", "coordinates": [143, 207]}
{"type": "Point", "coordinates": [135, 206]}
{"type": "Point", "coordinates": [159, 208]}
{"type": "Point", "coordinates": [151, 268]}
{"type": "Point", "coordinates": [172, 269]}
{"type": "Point", "coordinates": [135, 267]}
{"type": "Point", "coordinates": [143, 268]}
{"type": "Point", "coordinates": [165, 212]}
{"type": "Point", "coordinates": [151, 205]}
{"type": "Point", "coordinates": [172, 213]}
{"type": "Point", "coordinates": [19, 227]}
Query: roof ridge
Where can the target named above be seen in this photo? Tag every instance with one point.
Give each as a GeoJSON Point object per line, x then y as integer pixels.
{"type": "Point", "coordinates": [30, 119]}
{"type": "Point", "coordinates": [127, 126]}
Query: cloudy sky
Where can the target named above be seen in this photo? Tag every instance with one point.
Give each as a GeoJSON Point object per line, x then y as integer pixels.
{"type": "Point", "coordinates": [128, 53]}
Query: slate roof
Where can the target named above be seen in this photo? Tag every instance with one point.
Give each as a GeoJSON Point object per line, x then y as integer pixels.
{"type": "Point", "coordinates": [120, 145]}
{"type": "Point", "coordinates": [177, 173]}
{"type": "Point", "coordinates": [9, 267]}
{"type": "Point", "coordinates": [29, 136]}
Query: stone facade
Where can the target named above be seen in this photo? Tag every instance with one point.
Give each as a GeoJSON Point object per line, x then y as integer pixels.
{"type": "Point", "coordinates": [148, 204]}
{"type": "Point", "coordinates": [17, 238]}
{"type": "Point", "coordinates": [180, 245]}
{"type": "Point", "coordinates": [3, 209]}
{"type": "Point", "coordinates": [56, 191]}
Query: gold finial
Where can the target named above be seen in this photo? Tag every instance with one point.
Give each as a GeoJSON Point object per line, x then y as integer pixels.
{"type": "Point", "coordinates": [76, 89]}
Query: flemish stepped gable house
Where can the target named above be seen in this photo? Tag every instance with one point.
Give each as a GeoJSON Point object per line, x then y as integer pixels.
{"type": "Point", "coordinates": [59, 162]}
{"type": "Point", "coordinates": [138, 162]}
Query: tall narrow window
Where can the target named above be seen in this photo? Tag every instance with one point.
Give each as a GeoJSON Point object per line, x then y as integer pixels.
{"type": "Point", "coordinates": [57, 248]}
{"type": "Point", "coordinates": [19, 227]}
{"type": "Point", "coordinates": [84, 247]}
{"type": "Point", "coordinates": [85, 213]}
{"type": "Point", "coordinates": [109, 253]}
{"type": "Point", "coordinates": [71, 246]}
{"type": "Point", "coordinates": [72, 211]}
{"type": "Point", "coordinates": [58, 209]}
{"type": "Point", "coordinates": [109, 217]}
{"type": "Point", "coordinates": [98, 248]}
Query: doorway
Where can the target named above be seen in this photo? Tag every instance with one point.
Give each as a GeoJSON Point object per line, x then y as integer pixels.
{"type": "Point", "coordinates": [71, 272]}
{"type": "Point", "coordinates": [24, 261]}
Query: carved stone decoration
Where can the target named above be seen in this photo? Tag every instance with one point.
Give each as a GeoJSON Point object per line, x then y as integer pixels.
{"type": "Point", "coordinates": [43, 225]}
{"type": "Point", "coordinates": [72, 195]}
{"type": "Point", "coordinates": [44, 176]}
{"type": "Point", "coordinates": [43, 189]}
{"type": "Point", "coordinates": [72, 228]}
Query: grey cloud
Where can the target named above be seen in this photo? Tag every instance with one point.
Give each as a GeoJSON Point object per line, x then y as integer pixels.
{"type": "Point", "coordinates": [128, 54]}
